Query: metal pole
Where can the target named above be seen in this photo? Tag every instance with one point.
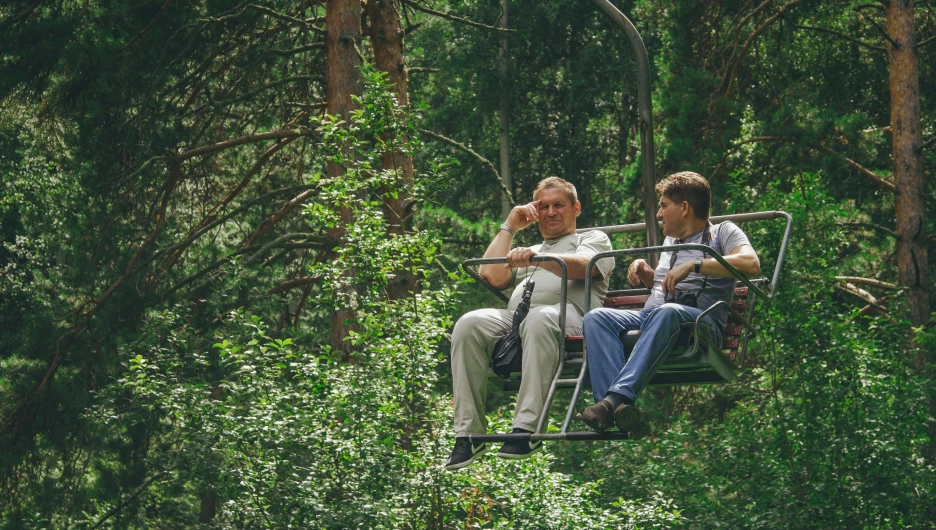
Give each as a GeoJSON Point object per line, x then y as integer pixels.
{"type": "Point", "coordinates": [644, 111]}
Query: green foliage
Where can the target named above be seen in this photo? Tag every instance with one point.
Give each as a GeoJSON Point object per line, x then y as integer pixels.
{"type": "Point", "coordinates": [201, 390]}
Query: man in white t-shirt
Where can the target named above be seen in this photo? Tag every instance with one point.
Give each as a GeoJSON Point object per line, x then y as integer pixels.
{"type": "Point", "coordinates": [554, 209]}
{"type": "Point", "coordinates": [684, 284]}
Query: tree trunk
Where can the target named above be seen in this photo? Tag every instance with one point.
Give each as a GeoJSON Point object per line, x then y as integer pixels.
{"type": "Point", "coordinates": [912, 261]}
{"type": "Point", "coordinates": [386, 36]}
{"type": "Point", "coordinates": [906, 134]}
{"type": "Point", "coordinates": [503, 61]}
{"type": "Point", "coordinates": [343, 80]}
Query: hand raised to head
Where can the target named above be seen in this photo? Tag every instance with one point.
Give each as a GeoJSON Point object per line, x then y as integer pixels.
{"type": "Point", "coordinates": [523, 215]}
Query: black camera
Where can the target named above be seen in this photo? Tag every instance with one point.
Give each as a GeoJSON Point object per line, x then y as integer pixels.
{"type": "Point", "coordinates": [685, 298]}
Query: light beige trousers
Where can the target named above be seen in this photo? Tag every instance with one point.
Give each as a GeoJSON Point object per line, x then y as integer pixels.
{"type": "Point", "coordinates": [473, 341]}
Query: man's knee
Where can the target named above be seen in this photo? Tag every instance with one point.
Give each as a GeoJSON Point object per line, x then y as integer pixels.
{"type": "Point", "coordinates": [664, 313]}
{"type": "Point", "coordinates": [596, 316]}
{"type": "Point", "coordinates": [470, 324]}
{"type": "Point", "coordinates": [541, 319]}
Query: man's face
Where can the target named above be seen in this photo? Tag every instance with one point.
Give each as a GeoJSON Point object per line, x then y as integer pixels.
{"type": "Point", "coordinates": [673, 216]}
{"type": "Point", "coordinates": [557, 213]}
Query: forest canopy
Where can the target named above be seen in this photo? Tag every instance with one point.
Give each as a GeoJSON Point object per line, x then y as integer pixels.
{"type": "Point", "coordinates": [231, 235]}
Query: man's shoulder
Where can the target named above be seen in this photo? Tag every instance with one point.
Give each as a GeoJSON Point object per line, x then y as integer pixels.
{"type": "Point", "coordinates": [728, 232]}
{"type": "Point", "coordinates": [590, 235]}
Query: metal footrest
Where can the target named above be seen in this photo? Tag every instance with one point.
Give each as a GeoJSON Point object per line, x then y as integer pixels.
{"type": "Point", "coordinates": [533, 437]}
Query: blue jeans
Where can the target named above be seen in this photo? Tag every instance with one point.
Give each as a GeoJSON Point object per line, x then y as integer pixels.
{"type": "Point", "coordinates": [609, 370]}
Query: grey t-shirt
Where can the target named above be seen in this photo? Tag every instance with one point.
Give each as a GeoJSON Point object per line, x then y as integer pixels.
{"type": "Point", "coordinates": [548, 285]}
{"type": "Point", "coordinates": [726, 237]}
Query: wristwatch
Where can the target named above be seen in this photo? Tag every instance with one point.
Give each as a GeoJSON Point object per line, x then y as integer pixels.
{"type": "Point", "coordinates": [698, 266]}
{"type": "Point", "coordinates": [505, 227]}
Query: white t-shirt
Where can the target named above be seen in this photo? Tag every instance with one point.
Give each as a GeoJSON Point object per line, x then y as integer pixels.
{"type": "Point", "coordinates": [547, 290]}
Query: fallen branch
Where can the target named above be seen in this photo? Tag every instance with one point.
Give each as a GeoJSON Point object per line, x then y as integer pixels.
{"type": "Point", "coordinates": [484, 161]}
{"type": "Point", "coordinates": [867, 298]}
{"type": "Point", "coordinates": [868, 281]}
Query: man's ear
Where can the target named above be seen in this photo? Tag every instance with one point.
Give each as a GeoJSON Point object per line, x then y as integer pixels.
{"type": "Point", "coordinates": [578, 208]}
{"type": "Point", "coordinates": [685, 209]}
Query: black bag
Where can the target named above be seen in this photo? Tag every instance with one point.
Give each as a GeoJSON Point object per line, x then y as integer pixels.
{"type": "Point", "coordinates": [508, 352]}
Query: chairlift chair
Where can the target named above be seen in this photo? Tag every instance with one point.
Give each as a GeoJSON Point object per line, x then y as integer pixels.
{"type": "Point", "coordinates": [699, 362]}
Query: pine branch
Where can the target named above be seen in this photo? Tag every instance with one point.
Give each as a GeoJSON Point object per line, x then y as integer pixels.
{"type": "Point", "coordinates": [484, 161]}
{"type": "Point", "coordinates": [879, 228]}
{"type": "Point", "coordinates": [455, 18]}
{"type": "Point", "coordinates": [252, 138]}
{"type": "Point", "coordinates": [884, 33]}
{"type": "Point", "coordinates": [298, 49]}
{"type": "Point", "coordinates": [789, 139]}
{"type": "Point", "coordinates": [22, 14]}
{"type": "Point", "coordinates": [842, 35]}
{"type": "Point", "coordinates": [729, 79]}
{"type": "Point", "coordinates": [148, 27]}
{"type": "Point", "coordinates": [418, 70]}
{"type": "Point", "coordinates": [287, 18]}
{"type": "Point", "coordinates": [190, 239]}
{"type": "Point", "coordinates": [292, 284]}
{"type": "Point", "coordinates": [143, 487]}
{"type": "Point", "coordinates": [278, 215]}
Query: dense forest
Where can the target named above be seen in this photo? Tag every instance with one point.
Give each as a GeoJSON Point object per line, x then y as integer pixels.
{"type": "Point", "coordinates": [231, 235]}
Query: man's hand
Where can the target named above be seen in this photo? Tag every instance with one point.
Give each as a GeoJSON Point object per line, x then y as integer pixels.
{"type": "Point", "coordinates": [519, 257]}
{"type": "Point", "coordinates": [640, 271]}
{"type": "Point", "coordinates": [676, 275]}
{"type": "Point", "coordinates": [523, 215]}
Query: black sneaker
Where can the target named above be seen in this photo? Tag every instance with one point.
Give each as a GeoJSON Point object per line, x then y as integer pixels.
{"type": "Point", "coordinates": [465, 453]}
{"type": "Point", "coordinates": [519, 450]}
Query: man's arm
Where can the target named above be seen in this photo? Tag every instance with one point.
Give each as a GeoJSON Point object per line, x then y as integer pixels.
{"type": "Point", "coordinates": [742, 258]}
{"type": "Point", "coordinates": [590, 244]}
{"type": "Point", "coordinates": [640, 272]}
{"type": "Point", "coordinates": [575, 264]}
{"type": "Point", "coordinates": [519, 218]}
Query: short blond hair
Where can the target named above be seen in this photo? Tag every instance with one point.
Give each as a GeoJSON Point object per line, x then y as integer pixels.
{"type": "Point", "coordinates": [690, 187]}
{"type": "Point", "coordinates": [556, 182]}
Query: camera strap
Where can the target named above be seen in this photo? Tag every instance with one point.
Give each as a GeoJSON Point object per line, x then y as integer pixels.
{"type": "Point", "coordinates": [707, 241]}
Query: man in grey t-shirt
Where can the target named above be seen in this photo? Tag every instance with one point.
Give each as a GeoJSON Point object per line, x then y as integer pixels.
{"type": "Point", "coordinates": [554, 209]}
{"type": "Point", "coordinates": [681, 276]}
